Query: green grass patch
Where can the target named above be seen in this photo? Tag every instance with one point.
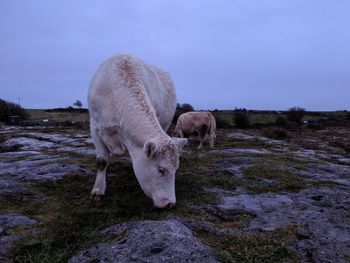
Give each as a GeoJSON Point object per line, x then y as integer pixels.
{"type": "Point", "coordinates": [224, 142]}
{"type": "Point", "coordinates": [254, 247]}
{"type": "Point", "coordinates": [267, 178]}
{"type": "Point", "coordinates": [287, 160]}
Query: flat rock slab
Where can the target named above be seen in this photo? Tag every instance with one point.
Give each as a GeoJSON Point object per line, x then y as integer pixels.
{"type": "Point", "coordinates": [321, 215]}
{"type": "Point", "coordinates": [28, 144]}
{"type": "Point", "coordinates": [235, 165]}
{"type": "Point", "coordinates": [38, 158]}
{"type": "Point", "coordinates": [12, 220]}
{"type": "Point", "coordinates": [40, 168]}
{"type": "Point", "coordinates": [148, 241]}
{"type": "Point", "coordinates": [254, 204]}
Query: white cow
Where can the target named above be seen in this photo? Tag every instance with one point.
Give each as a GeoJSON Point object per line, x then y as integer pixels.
{"type": "Point", "coordinates": [131, 105]}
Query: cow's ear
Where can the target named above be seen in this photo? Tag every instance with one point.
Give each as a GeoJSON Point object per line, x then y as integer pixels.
{"type": "Point", "coordinates": [181, 142]}
{"type": "Point", "coordinates": [150, 148]}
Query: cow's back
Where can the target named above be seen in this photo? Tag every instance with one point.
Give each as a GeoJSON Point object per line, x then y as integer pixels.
{"type": "Point", "coordinates": [161, 92]}
{"type": "Point", "coordinates": [123, 81]}
{"type": "Point", "coordinates": [194, 121]}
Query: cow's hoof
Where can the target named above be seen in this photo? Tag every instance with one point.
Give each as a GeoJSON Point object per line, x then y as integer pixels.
{"type": "Point", "coordinates": [96, 197]}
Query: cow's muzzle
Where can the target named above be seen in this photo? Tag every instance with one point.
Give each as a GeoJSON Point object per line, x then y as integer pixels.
{"type": "Point", "coordinates": [164, 204]}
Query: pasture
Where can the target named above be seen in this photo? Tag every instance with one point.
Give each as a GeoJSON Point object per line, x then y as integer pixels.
{"type": "Point", "coordinates": [253, 198]}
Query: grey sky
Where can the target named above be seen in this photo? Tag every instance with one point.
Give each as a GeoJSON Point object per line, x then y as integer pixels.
{"type": "Point", "coordinates": [258, 54]}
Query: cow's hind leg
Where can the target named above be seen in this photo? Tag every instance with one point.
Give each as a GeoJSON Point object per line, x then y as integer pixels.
{"type": "Point", "coordinates": [102, 161]}
{"type": "Point", "coordinates": [201, 143]}
{"type": "Point", "coordinates": [202, 132]}
{"type": "Point", "coordinates": [211, 139]}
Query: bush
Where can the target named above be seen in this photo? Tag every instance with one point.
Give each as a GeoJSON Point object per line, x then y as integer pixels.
{"type": "Point", "coordinates": [68, 109]}
{"type": "Point", "coordinates": [348, 116]}
{"type": "Point", "coordinates": [180, 109]}
{"type": "Point", "coordinates": [220, 121]}
{"type": "Point", "coordinates": [11, 109]}
{"type": "Point", "coordinates": [276, 133]}
{"type": "Point", "coordinates": [78, 104]}
{"type": "Point", "coordinates": [281, 121]}
{"type": "Point", "coordinates": [295, 114]}
{"type": "Point", "coordinates": [241, 118]}
{"type": "Point", "coordinates": [316, 125]}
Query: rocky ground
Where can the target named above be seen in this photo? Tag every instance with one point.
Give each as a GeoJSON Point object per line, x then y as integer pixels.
{"type": "Point", "coordinates": [252, 199]}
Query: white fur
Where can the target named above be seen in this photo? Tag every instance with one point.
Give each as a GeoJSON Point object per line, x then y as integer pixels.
{"type": "Point", "coordinates": [130, 103]}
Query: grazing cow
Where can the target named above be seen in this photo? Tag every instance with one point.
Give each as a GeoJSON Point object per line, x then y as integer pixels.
{"type": "Point", "coordinates": [131, 105]}
{"type": "Point", "coordinates": [196, 123]}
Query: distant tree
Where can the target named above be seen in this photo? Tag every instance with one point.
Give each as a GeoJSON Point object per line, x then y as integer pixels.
{"type": "Point", "coordinates": [296, 114]}
{"type": "Point", "coordinates": [78, 104]}
{"type": "Point", "coordinates": [11, 109]}
{"type": "Point", "coordinates": [241, 118]}
{"type": "Point", "coordinates": [180, 109]}
{"type": "Point", "coordinates": [186, 107]}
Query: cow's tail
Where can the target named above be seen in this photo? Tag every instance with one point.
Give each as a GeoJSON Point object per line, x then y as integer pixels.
{"type": "Point", "coordinates": [212, 130]}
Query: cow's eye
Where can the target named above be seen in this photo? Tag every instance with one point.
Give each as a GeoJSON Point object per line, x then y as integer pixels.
{"type": "Point", "coordinates": [161, 170]}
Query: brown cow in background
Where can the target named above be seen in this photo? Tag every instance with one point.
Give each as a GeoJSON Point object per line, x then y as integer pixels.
{"type": "Point", "coordinates": [197, 123]}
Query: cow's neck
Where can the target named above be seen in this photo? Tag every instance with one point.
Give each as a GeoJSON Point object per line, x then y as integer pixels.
{"type": "Point", "coordinates": [143, 125]}
{"type": "Point", "coordinates": [139, 132]}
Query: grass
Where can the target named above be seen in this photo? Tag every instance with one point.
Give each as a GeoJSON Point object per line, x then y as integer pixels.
{"type": "Point", "coordinates": [58, 116]}
{"type": "Point", "coordinates": [262, 118]}
{"type": "Point", "coordinates": [254, 247]}
{"type": "Point", "coordinates": [69, 221]}
{"type": "Point", "coordinates": [286, 160]}
{"type": "Point", "coordinates": [72, 222]}
{"type": "Point", "coordinates": [278, 179]}
{"type": "Point", "coordinates": [224, 142]}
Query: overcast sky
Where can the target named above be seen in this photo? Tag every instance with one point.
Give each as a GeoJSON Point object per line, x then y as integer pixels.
{"type": "Point", "coordinates": [257, 54]}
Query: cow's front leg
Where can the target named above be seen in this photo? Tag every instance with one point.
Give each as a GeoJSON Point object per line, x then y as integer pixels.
{"type": "Point", "coordinates": [98, 191]}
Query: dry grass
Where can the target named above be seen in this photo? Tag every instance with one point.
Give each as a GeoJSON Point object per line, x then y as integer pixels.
{"type": "Point", "coordinates": [58, 116]}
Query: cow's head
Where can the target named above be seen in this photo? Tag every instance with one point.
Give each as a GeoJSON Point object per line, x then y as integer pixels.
{"type": "Point", "coordinates": [155, 167]}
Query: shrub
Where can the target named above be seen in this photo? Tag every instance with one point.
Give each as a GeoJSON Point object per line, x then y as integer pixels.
{"type": "Point", "coordinates": [78, 104]}
{"type": "Point", "coordinates": [241, 118]}
{"type": "Point", "coordinates": [220, 121]}
{"type": "Point", "coordinates": [180, 109]}
{"type": "Point", "coordinates": [11, 109]}
{"type": "Point", "coordinates": [281, 121]}
{"type": "Point", "coordinates": [276, 133]}
{"type": "Point", "coordinates": [348, 116]}
{"type": "Point", "coordinates": [295, 114]}
{"type": "Point", "coordinates": [68, 109]}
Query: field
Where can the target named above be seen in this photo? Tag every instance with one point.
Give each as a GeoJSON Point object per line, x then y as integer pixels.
{"type": "Point", "coordinates": [58, 116]}
{"type": "Point", "coordinates": [256, 117]}
{"type": "Point", "coordinates": [261, 195]}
